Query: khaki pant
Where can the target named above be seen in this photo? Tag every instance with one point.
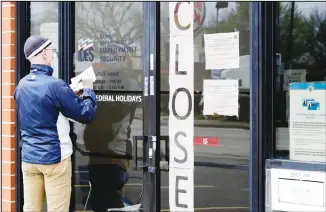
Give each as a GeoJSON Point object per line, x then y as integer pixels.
{"type": "Point", "coordinates": [52, 181]}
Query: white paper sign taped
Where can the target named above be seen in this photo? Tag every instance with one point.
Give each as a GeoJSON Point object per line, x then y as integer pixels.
{"type": "Point", "coordinates": [297, 190]}
{"type": "Point", "coordinates": [221, 97]}
{"type": "Point", "coordinates": [222, 50]}
{"type": "Point", "coordinates": [181, 114]}
{"type": "Point", "coordinates": [307, 122]}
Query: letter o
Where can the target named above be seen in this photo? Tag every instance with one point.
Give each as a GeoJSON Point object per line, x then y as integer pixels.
{"type": "Point", "coordinates": [189, 103]}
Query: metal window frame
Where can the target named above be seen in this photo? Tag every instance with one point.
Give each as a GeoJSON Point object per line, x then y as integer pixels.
{"type": "Point", "coordinates": [151, 105]}
{"type": "Point", "coordinates": [263, 60]}
{"type": "Point", "coordinates": [66, 49]}
{"type": "Point", "coordinates": [23, 31]}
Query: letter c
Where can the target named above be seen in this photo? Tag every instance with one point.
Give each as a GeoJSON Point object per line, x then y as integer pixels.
{"type": "Point", "coordinates": [176, 19]}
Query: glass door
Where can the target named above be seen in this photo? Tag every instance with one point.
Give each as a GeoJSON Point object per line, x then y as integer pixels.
{"type": "Point", "coordinates": [209, 144]}
{"type": "Point", "coordinates": [156, 140]}
{"type": "Point", "coordinates": [109, 38]}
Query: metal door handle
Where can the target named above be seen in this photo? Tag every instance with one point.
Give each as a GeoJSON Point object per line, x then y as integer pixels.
{"type": "Point", "coordinates": [164, 164]}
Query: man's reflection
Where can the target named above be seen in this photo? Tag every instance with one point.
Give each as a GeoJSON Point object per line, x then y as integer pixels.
{"type": "Point", "coordinates": [109, 134]}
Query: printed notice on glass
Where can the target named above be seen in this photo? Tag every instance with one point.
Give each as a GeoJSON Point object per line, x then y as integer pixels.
{"type": "Point", "coordinates": [221, 97]}
{"type": "Point", "coordinates": [308, 122]}
{"type": "Point", "coordinates": [222, 50]}
{"type": "Point", "coordinates": [297, 190]}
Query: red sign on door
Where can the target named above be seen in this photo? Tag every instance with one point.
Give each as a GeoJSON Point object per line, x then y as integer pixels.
{"type": "Point", "coordinates": [205, 141]}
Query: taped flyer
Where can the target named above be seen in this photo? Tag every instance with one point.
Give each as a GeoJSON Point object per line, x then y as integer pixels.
{"type": "Point", "coordinates": [89, 72]}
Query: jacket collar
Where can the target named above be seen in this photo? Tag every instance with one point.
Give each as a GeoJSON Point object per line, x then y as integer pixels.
{"type": "Point", "coordinates": [40, 68]}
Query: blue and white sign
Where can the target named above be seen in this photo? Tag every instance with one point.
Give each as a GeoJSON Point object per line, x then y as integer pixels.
{"type": "Point", "coordinates": [308, 122]}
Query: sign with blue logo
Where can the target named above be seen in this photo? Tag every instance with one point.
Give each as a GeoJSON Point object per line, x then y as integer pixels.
{"type": "Point", "coordinates": [308, 121]}
{"type": "Point", "coordinates": [85, 50]}
{"type": "Point", "coordinates": [311, 104]}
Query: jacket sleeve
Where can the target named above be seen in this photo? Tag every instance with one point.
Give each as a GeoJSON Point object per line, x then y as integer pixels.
{"type": "Point", "coordinates": [71, 106]}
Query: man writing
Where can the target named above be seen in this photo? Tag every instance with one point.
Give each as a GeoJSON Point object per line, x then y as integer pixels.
{"type": "Point", "coordinates": [40, 98]}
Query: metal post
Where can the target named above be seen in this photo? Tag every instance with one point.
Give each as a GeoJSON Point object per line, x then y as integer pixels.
{"type": "Point", "coordinates": [66, 49]}
{"type": "Point", "coordinates": [151, 114]}
{"type": "Point", "coordinates": [217, 9]}
{"type": "Point", "coordinates": [262, 129]}
{"type": "Point", "coordinates": [220, 5]}
{"type": "Point", "coordinates": [290, 40]}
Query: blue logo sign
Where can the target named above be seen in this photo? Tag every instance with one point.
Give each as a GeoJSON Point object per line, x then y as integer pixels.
{"type": "Point", "coordinates": [85, 50]}
{"type": "Point", "coordinates": [311, 104]}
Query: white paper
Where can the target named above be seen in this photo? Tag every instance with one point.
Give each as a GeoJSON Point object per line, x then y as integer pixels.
{"type": "Point", "coordinates": [76, 87]}
{"type": "Point", "coordinates": [296, 190]}
{"type": "Point", "coordinates": [181, 115]}
{"type": "Point", "coordinates": [181, 190]}
{"type": "Point", "coordinates": [221, 97]}
{"type": "Point", "coordinates": [89, 72]}
{"type": "Point", "coordinates": [222, 50]}
{"type": "Point", "coordinates": [126, 208]}
{"type": "Point", "coordinates": [308, 121]}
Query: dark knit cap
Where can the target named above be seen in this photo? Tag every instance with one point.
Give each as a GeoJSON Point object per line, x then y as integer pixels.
{"type": "Point", "coordinates": [34, 45]}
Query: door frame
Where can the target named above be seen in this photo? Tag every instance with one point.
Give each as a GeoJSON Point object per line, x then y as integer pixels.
{"type": "Point", "coordinates": [66, 49]}
{"type": "Point", "coordinates": [151, 70]}
{"type": "Point", "coordinates": [262, 58]}
{"type": "Point", "coordinates": [151, 106]}
{"type": "Point", "coordinates": [23, 31]}
{"type": "Point", "coordinates": [262, 130]}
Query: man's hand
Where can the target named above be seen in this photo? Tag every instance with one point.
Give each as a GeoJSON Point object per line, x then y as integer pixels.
{"type": "Point", "coordinates": [87, 82]}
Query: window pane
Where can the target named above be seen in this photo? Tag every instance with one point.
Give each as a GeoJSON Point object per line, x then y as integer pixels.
{"type": "Point", "coordinates": [225, 160]}
{"type": "Point", "coordinates": [108, 37]}
{"type": "Point", "coordinates": [44, 21]}
{"type": "Point", "coordinates": [301, 47]}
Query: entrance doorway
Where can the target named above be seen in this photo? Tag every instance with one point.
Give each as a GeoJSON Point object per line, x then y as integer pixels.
{"type": "Point", "coordinates": [126, 157]}
{"type": "Point", "coordinates": [128, 44]}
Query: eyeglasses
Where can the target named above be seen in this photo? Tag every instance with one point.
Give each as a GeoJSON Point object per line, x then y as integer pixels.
{"type": "Point", "coordinates": [54, 50]}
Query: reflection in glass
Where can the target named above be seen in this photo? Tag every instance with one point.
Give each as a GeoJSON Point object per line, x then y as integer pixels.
{"type": "Point", "coordinates": [301, 44]}
{"type": "Point", "coordinates": [44, 22]}
{"type": "Point", "coordinates": [221, 170]}
{"type": "Point", "coordinates": [108, 38]}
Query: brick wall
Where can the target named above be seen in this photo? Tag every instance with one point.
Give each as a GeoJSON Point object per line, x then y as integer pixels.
{"type": "Point", "coordinates": [8, 140]}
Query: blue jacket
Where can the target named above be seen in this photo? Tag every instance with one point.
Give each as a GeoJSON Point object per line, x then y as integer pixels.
{"type": "Point", "coordinates": [39, 100]}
